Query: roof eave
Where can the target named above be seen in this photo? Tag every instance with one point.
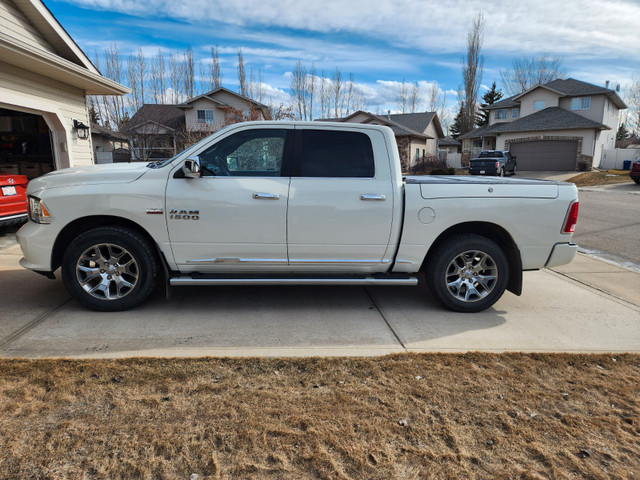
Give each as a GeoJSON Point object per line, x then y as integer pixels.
{"type": "Point", "coordinates": [14, 52]}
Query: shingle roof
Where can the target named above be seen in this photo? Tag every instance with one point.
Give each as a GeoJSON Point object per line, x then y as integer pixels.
{"type": "Point", "coordinates": [398, 129]}
{"type": "Point", "coordinates": [105, 132]}
{"type": "Point", "coordinates": [167, 115]}
{"type": "Point", "coordinates": [415, 121]}
{"type": "Point", "coordinates": [484, 131]}
{"type": "Point", "coordinates": [449, 141]}
{"type": "Point", "coordinates": [552, 118]}
{"type": "Point", "coordinates": [504, 103]}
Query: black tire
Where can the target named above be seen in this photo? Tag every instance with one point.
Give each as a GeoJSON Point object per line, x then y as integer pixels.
{"type": "Point", "coordinates": [110, 269]}
{"type": "Point", "coordinates": [515, 169]}
{"type": "Point", "coordinates": [449, 281]}
{"type": "Point", "coordinates": [502, 172]}
{"type": "Point", "coordinates": [637, 180]}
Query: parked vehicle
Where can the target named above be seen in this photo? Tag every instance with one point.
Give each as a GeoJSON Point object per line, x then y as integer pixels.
{"type": "Point", "coordinates": [292, 203]}
{"type": "Point", "coordinates": [635, 171]}
{"type": "Point", "coordinates": [13, 199]}
{"type": "Point", "coordinates": [493, 162]}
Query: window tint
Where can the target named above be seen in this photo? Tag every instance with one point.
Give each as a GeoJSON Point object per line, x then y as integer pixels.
{"type": "Point", "coordinates": [327, 153]}
{"type": "Point", "coordinates": [490, 154]}
{"type": "Point", "coordinates": [250, 153]}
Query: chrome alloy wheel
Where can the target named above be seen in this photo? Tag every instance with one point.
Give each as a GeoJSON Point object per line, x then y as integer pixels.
{"type": "Point", "coordinates": [107, 271]}
{"type": "Point", "coordinates": [471, 276]}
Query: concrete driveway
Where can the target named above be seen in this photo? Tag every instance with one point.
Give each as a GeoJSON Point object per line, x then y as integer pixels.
{"type": "Point", "coordinates": [557, 312]}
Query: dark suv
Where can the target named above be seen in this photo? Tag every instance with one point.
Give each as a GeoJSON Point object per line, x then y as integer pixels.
{"type": "Point", "coordinates": [493, 162]}
{"type": "Point", "coordinates": [635, 171]}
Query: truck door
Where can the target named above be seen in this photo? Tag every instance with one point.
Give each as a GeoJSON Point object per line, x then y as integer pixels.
{"type": "Point", "coordinates": [233, 218]}
{"type": "Point", "coordinates": [340, 201]}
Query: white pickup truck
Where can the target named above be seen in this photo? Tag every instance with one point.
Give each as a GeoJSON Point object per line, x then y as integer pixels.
{"type": "Point", "coordinates": [292, 203]}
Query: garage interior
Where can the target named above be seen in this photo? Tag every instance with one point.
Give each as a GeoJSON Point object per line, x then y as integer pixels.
{"type": "Point", "coordinates": [25, 144]}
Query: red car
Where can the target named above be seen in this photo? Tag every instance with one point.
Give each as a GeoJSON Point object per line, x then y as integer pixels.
{"type": "Point", "coordinates": [13, 199]}
{"type": "Point", "coordinates": [635, 171]}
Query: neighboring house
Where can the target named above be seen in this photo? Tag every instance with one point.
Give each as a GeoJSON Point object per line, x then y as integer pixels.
{"type": "Point", "coordinates": [561, 125]}
{"type": "Point", "coordinates": [220, 107]}
{"type": "Point", "coordinates": [155, 131]}
{"type": "Point", "coordinates": [44, 80]}
{"type": "Point", "coordinates": [161, 131]}
{"type": "Point", "coordinates": [450, 145]}
{"type": "Point", "coordinates": [105, 142]}
{"type": "Point", "coordinates": [417, 134]}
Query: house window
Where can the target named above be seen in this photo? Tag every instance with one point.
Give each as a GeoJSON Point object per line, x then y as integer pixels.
{"type": "Point", "coordinates": [538, 104]}
{"type": "Point", "coordinates": [501, 114]}
{"type": "Point", "coordinates": [417, 153]}
{"type": "Point", "coordinates": [515, 112]}
{"type": "Point", "coordinates": [581, 103]}
{"type": "Point", "coordinates": [205, 116]}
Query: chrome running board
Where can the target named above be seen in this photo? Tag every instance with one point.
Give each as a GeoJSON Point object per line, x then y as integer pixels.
{"type": "Point", "coordinates": [201, 280]}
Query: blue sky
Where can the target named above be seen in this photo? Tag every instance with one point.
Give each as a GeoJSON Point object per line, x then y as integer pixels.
{"type": "Point", "coordinates": [381, 42]}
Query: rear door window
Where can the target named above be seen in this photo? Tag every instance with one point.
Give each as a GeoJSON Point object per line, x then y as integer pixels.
{"type": "Point", "coordinates": [327, 153]}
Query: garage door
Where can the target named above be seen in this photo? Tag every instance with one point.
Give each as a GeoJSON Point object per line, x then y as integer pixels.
{"type": "Point", "coordinates": [545, 155]}
{"type": "Point", "coordinates": [25, 144]}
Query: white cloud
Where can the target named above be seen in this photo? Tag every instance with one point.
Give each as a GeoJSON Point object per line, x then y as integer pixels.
{"type": "Point", "coordinates": [515, 28]}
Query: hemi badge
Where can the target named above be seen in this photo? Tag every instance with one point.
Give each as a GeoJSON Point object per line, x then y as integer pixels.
{"type": "Point", "coordinates": [155, 211]}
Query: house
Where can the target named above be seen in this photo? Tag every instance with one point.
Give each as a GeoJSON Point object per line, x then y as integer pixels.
{"type": "Point", "coordinates": [105, 142]}
{"type": "Point", "coordinates": [213, 110]}
{"type": "Point", "coordinates": [155, 131]}
{"type": "Point", "coordinates": [562, 125]}
{"type": "Point", "coordinates": [161, 131]}
{"type": "Point", "coordinates": [44, 80]}
{"type": "Point", "coordinates": [450, 145]}
{"type": "Point", "coordinates": [417, 134]}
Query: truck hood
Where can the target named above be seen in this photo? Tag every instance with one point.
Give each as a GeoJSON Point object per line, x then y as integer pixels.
{"type": "Point", "coordinates": [484, 187]}
{"type": "Point", "coordinates": [89, 175]}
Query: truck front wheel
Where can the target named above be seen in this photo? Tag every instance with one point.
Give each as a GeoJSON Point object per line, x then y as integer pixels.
{"type": "Point", "coordinates": [109, 269]}
{"type": "Point", "coordinates": [467, 273]}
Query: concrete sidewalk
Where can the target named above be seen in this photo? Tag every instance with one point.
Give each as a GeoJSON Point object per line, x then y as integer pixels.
{"type": "Point", "coordinates": [588, 306]}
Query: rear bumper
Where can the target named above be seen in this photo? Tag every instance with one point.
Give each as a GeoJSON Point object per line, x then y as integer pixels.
{"type": "Point", "coordinates": [562, 254]}
{"type": "Point", "coordinates": [487, 171]}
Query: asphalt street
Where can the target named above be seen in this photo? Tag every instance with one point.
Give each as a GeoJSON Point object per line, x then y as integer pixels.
{"type": "Point", "coordinates": [609, 223]}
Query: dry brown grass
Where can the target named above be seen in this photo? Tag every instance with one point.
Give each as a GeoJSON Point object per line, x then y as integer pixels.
{"type": "Point", "coordinates": [591, 179]}
{"type": "Point", "coordinates": [525, 416]}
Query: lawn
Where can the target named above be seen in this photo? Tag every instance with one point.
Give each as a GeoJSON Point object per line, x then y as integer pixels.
{"type": "Point", "coordinates": [439, 416]}
{"type": "Point", "coordinates": [590, 179]}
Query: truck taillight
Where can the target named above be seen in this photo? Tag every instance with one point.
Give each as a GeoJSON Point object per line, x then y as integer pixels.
{"type": "Point", "coordinates": [572, 219]}
{"type": "Point", "coordinates": [498, 165]}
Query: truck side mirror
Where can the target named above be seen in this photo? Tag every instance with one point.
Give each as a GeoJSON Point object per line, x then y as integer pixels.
{"type": "Point", "coordinates": [191, 167]}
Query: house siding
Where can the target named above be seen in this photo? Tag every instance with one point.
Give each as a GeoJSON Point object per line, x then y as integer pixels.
{"type": "Point", "coordinates": [219, 114]}
{"type": "Point", "coordinates": [432, 143]}
{"type": "Point", "coordinates": [57, 102]}
{"type": "Point", "coordinates": [16, 25]}
{"type": "Point", "coordinates": [526, 102]}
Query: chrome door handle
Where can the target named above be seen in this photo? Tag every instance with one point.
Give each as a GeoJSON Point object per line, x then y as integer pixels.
{"type": "Point", "coordinates": [266, 196]}
{"type": "Point", "coordinates": [366, 196]}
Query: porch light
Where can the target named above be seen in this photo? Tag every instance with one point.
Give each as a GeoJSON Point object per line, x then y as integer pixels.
{"type": "Point", "coordinates": [81, 129]}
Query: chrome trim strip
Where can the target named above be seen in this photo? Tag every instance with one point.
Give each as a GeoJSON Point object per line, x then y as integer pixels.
{"type": "Point", "coordinates": [185, 281]}
{"type": "Point", "coordinates": [11, 217]}
{"type": "Point", "coordinates": [403, 261]}
{"type": "Point", "coordinates": [333, 261]}
{"type": "Point", "coordinates": [155, 211]}
{"type": "Point", "coordinates": [252, 261]}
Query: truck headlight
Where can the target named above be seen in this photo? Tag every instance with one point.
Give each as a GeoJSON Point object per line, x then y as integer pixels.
{"type": "Point", "coordinates": [37, 211]}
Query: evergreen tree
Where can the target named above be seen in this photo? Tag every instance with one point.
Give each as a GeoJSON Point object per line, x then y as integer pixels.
{"type": "Point", "coordinates": [456, 126]}
{"type": "Point", "coordinates": [622, 134]}
{"type": "Point", "coordinates": [489, 98]}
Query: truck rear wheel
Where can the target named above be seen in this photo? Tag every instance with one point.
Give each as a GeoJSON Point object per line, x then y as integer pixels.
{"type": "Point", "coordinates": [468, 273]}
{"type": "Point", "coordinates": [109, 269]}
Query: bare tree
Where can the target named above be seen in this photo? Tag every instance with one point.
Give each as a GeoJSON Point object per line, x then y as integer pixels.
{"type": "Point", "coordinates": [158, 82]}
{"type": "Point", "coordinates": [324, 96]}
{"type": "Point", "coordinates": [99, 102]}
{"type": "Point", "coordinates": [437, 102]}
{"type": "Point", "coordinates": [114, 104]}
{"type": "Point", "coordinates": [242, 76]}
{"type": "Point", "coordinates": [175, 78]}
{"type": "Point", "coordinates": [632, 97]}
{"type": "Point", "coordinates": [414, 98]}
{"type": "Point", "coordinates": [472, 67]}
{"type": "Point", "coordinates": [216, 76]}
{"type": "Point", "coordinates": [402, 99]}
{"type": "Point", "coordinates": [136, 78]}
{"type": "Point", "coordinates": [297, 85]}
{"type": "Point", "coordinates": [526, 73]}
{"type": "Point", "coordinates": [187, 70]}
{"type": "Point", "coordinates": [337, 93]}
{"type": "Point", "coordinates": [311, 89]}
